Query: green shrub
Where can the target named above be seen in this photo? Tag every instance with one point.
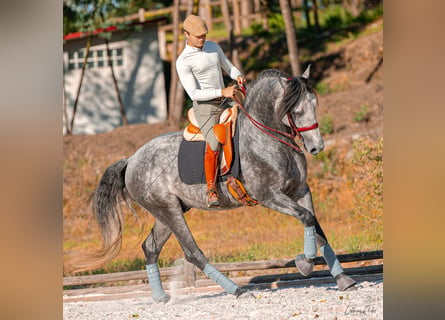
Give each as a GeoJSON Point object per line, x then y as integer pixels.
{"type": "Point", "coordinates": [322, 88]}
{"type": "Point", "coordinates": [326, 124]}
{"type": "Point", "coordinates": [362, 114]}
{"type": "Point", "coordinates": [367, 184]}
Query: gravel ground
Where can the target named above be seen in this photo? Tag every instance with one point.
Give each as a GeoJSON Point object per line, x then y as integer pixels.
{"type": "Point", "coordinates": [314, 302]}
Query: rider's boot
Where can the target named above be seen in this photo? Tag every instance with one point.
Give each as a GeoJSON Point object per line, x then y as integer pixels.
{"type": "Point", "coordinates": [210, 163]}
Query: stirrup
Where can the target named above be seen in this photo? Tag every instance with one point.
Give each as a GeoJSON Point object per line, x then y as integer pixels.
{"type": "Point", "coordinates": [212, 199]}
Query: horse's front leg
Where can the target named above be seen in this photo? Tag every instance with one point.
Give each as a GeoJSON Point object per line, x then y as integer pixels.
{"type": "Point", "coordinates": [343, 282]}
{"type": "Point", "coordinates": [280, 202]}
{"type": "Point", "coordinates": [313, 235]}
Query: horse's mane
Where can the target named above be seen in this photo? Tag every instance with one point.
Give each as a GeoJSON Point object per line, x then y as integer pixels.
{"type": "Point", "coordinates": [295, 89]}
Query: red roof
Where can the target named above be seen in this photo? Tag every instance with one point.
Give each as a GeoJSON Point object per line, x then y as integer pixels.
{"type": "Point", "coordinates": [78, 35]}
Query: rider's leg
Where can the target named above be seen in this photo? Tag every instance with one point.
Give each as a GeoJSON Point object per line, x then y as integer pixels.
{"type": "Point", "coordinates": [207, 115]}
{"type": "Point", "coordinates": [210, 168]}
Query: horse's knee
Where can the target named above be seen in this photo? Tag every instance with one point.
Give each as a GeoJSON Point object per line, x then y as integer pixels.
{"type": "Point", "coordinates": [309, 219]}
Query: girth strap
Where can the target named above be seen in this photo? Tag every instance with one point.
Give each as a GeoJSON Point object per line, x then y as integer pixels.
{"type": "Point", "coordinates": [238, 191]}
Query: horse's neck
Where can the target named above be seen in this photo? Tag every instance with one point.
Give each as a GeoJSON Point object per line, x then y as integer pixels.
{"type": "Point", "coordinates": [254, 139]}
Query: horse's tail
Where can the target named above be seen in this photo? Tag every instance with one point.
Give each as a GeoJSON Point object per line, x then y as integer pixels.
{"type": "Point", "coordinates": [107, 211]}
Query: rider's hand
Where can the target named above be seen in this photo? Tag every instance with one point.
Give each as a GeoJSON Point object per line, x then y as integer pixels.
{"type": "Point", "coordinates": [229, 92]}
{"type": "Point", "coordinates": [241, 80]}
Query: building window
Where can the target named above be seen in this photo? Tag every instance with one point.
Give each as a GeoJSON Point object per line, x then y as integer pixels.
{"type": "Point", "coordinates": [96, 58]}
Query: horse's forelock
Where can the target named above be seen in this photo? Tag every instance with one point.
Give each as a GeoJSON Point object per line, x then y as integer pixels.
{"type": "Point", "coordinates": [294, 91]}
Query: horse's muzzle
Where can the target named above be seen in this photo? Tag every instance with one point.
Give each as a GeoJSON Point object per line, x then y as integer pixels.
{"type": "Point", "coordinates": [314, 150]}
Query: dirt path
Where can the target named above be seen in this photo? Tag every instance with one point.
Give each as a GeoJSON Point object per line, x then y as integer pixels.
{"type": "Point", "coordinates": [314, 302]}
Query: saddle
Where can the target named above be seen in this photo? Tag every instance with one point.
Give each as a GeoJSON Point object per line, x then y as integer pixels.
{"type": "Point", "coordinates": [225, 131]}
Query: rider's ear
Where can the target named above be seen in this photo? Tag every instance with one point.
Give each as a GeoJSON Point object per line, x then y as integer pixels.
{"type": "Point", "coordinates": [306, 72]}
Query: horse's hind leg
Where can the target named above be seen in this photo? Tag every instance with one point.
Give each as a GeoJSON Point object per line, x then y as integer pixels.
{"type": "Point", "coordinates": [174, 219]}
{"type": "Point", "coordinates": [152, 247]}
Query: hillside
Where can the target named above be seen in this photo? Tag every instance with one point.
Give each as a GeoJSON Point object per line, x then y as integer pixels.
{"type": "Point", "coordinates": [350, 73]}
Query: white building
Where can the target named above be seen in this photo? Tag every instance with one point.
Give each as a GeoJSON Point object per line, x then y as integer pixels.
{"type": "Point", "coordinates": [139, 73]}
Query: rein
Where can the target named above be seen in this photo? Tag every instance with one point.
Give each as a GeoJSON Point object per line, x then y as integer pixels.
{"type": "Point", "coordinates": [295, 131]}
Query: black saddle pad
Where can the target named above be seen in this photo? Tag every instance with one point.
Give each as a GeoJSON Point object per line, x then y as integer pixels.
{"type": "Point", "coordinates": [191, 161]}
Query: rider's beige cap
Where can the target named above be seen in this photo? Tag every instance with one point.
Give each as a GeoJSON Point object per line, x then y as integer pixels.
{"type": "Point", "coordinates": [195, 25]}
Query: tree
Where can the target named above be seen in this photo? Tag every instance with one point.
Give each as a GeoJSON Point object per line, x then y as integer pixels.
{"type": "Point", "coordinates": [176, 95]}
{"type": "Point", "coordinates": [290, 37]}
{"type": "Point", "coordinates": [353, 6]}
{"type": "Point", "coordinates": [317, 23]}
{"type": "Point", "coordinates": [307, 13]}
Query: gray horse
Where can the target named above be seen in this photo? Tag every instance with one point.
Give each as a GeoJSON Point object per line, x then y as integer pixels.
{"type": "Point", "coordinates": [273, 171]}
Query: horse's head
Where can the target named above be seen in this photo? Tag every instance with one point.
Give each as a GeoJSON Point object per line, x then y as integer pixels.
{"type": "Point", "coordinates": [299, 112]}
{"type": "Point", "coordinates": [275, 100]}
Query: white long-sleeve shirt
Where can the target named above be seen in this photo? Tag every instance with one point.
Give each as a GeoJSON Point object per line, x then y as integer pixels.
{"type": "Point", "coordinates": [199, 71]}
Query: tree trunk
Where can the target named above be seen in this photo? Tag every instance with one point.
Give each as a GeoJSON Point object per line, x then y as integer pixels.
{"type": "Point", "coordinates": [315, 6]}
{"type": "Point", "coordinates": [246, 11]}
{"type": "Point", "coordinates": [116, 87]}
{"type": "Point", "coordinates": [236, 17]}
{"type": "Point", "coordinates": [189, 5]}
{"type": "Point", "coordinates": [85, 60]}
{"type": "Point", "coordinates": [290, 36]}
{"type": "Point", "coordinates": [297, 4]}
{"type": "Point", "coordinates": [228, 25]}
{"type": "Point", "coordinates": [307, 13]}
{"type": "Point", "coordinates": [264, 14]}
{"type": "Point", "coordinates": [353, 6]}
{"type": "Point", "coordinates": [175, 105]}
{"type": "Point", "coordinates": [206, 13]}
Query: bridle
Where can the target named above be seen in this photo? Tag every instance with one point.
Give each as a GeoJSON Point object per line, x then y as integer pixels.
{"type": "Point", "coordinates": [295, 131]}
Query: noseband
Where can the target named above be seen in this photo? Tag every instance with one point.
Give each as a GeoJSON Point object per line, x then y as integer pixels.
{"type": "Point", "coordinates": [295, 131]}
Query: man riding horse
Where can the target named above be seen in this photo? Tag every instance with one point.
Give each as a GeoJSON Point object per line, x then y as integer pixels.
{"type": "Point", "coordinates": [199, 70]}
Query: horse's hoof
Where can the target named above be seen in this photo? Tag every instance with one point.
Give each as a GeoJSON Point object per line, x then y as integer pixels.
{"type": "Point", "coordinates": [345, 283]}
{"type": "Point", "coordinates": [304, 266]}
{"type": "Point", "coordinates": [164, 299]}
{"type": "Point", "coordinates": [241, 293]}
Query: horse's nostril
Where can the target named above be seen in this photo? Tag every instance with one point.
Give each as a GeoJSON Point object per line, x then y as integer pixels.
{"type": "Point", "coordinates": [314, 151]}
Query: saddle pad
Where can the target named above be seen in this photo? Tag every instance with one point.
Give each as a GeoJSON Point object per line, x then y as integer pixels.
{"type": "Point", "coordinates": [191, 161]}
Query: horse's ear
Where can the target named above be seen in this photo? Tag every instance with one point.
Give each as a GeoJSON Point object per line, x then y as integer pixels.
{"type": "Point", "coordinates": [306, 72]}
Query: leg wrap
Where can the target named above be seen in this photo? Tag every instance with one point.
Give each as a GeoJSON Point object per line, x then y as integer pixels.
{"type": "Point", "coordinates": [331, 260]}
{"type": "Point", "coordinates": [310, 243]}
{"type": "Point", "coordinates": [228, 285]}
{"type": "Point", "coordinates": [154, 278]}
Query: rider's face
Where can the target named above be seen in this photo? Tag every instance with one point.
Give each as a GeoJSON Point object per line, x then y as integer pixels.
{"type": "Point", "coordinates": [195, 41]}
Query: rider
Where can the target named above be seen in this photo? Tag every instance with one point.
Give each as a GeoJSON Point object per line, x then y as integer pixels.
{"type": "Point", "coordinates": [199, 70]}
